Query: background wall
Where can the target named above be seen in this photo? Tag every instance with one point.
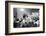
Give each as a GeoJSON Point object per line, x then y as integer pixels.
{"type": "Point", "coordinates": [2, 18]}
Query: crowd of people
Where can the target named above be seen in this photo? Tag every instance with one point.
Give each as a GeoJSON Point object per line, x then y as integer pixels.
{"type": "Point", "coordinates": [27, 21]}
